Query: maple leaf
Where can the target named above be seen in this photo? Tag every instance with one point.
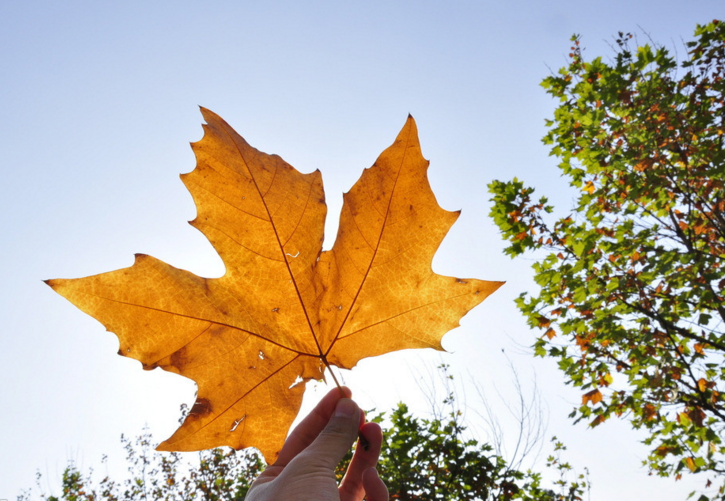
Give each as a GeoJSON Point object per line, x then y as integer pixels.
{"type": "Point", "coordinates": [284, 310]}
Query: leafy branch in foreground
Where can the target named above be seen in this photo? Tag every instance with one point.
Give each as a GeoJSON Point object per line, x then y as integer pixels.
{"type": "Point", "coordinates": [631, 281]}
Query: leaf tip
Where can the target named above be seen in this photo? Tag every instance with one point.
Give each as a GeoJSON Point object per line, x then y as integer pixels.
{"type": "Point", "coordinates": [164, 447]}
{"type": "Point", "coordinates": [496, 285]}
{"type": "Point", "coordinates": [209, 115]}
{"type": "Point", "coordinates": [410, 122]}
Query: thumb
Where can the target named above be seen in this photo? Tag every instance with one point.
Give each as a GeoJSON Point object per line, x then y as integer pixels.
{"type": "Point", "coordinates": [335, 440]}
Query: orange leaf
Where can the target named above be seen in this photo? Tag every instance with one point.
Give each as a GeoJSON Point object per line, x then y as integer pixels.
{"type": "Point", "coordinates": [650, 412]}
{"type": "Point", "coordinates": [594, 396]}
{"type": "Point", "coordinates": [284, 309]}
{"type": "Point", "coordinates": [702, 384]}
{"type": "Point", "coordinates": [597, 421]}
{"type": "Point", "coordinates": [543, 321]}
{"type": "Point", "coordinates": [696, 415]}
{"type": "Point", "coordinates": [550, 333]}
{"type": "Point", "coordinates": [664, 450]}
{"type": "Point", "coordinates": [690, 462]}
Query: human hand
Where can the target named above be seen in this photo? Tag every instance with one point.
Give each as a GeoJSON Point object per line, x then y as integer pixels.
{"type": "Point", "coordinates": [305, 468]}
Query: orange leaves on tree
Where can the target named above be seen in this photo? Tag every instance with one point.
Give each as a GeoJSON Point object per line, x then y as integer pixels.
{"type": "Point", "coordinates": [703, 384]}
{"type": "Point", "coordinates": [597, 421]}
{"type": "Point", "coordinates": [284, 309]}
{"type": "Point", "coordinates": [696, 415]}
{"type": "Point", "coordinates": [691, 415]}
{"type": "Point", "coordinates": [664, 450]}
{"type": "Point", "coordinates": [649, 411]}
{"type": "Point", "coordinates": [594, 396]}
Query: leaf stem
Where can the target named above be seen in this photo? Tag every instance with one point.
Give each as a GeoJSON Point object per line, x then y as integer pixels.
{"type": "Point", "coordinates": [329, 368]}
{"type": "Point", "coordinates": [364, 443]}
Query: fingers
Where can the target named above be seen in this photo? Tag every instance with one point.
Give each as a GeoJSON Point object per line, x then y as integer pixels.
{"type": "Point", "coordinates": [352, 487]}
{"type": "Point", "coordinates": [374, 486]}
{"type": "Point", "coordinates": [336, 438]}
{"type": "Point", "coordinates": [304, 433]}
{"type": "Point", "coordinates": [311, 426]}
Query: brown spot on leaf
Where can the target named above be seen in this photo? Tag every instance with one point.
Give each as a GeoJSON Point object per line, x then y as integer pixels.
{"type": "Point", "coordinates": [200, 408]}
{"type": "Point", "coordinates": [179, 358]}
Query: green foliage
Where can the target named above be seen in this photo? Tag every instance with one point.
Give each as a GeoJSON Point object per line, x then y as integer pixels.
{"type": "Point", "coordinates": [219, 475]}
{"type": "Point", "coordinates": [428, 459]}
{"type": "Point", "coordinates": [631, 282]}
{"type": "Point", "coordinates": [421, 459]}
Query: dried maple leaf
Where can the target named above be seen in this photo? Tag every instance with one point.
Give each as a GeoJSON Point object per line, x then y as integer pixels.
{"type": "Point", "coordinates": [284, 310]}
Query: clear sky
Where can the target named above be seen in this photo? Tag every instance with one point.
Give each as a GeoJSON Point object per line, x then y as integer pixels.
{"type": "Point", "coordinates": [99, 104]}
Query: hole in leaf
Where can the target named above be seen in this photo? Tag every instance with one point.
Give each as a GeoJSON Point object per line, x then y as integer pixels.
{"type": "Point", "coordinates": [237, 422]}
{"type": "Point", "coordinates": [261, 355]}
{"type": "Point", "coordinates": [298, 380]}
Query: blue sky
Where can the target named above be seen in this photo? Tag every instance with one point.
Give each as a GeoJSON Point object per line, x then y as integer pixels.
{"type": "Point", "coordinates": [100, 101]}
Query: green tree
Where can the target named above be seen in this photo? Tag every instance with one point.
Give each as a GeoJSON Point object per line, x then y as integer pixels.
{"type": "Point", "coordinates": [432, 459]}
{"type": "Point", "coordinates": [421, 459]}
{"type": "Point", "coordinates": [631, 281]}
{"type": "Point", "coordinates": [218, 475]}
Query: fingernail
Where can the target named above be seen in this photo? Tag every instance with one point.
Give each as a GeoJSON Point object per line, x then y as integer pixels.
{"type": "Point", "coordinates": [345, 408]}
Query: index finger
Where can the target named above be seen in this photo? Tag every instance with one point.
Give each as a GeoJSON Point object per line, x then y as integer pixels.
{"type": "Point", "coordinates": [311, 426]}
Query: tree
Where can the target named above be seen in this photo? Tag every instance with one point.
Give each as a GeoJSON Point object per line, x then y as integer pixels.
{"type": "Point", "coordinates": [218, 475]}
{"type": "Point", "coordinates": [421, 459]}
{"type": "Point", "coordinates": [631, 281]}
